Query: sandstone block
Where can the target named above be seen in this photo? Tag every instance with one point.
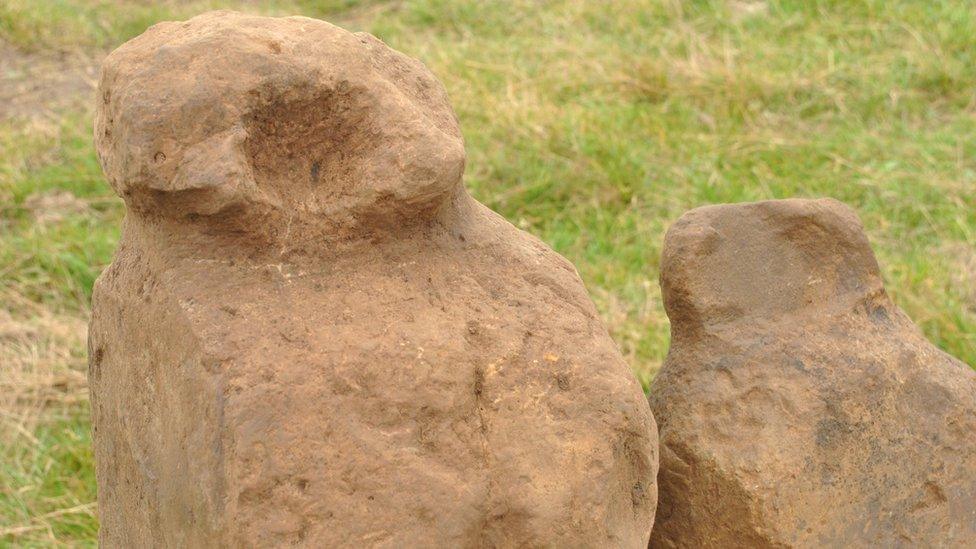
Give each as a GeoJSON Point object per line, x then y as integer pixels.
{"type": "Point", "coordinates": [798, 405]}
{"type": "Point", "coordinates": [311, 334]}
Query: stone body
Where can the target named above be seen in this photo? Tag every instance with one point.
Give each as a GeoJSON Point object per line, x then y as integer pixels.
{"type": "Point", "coordinates": [310, 333]}
{"type": "Point", "coordinates": [798, 406]}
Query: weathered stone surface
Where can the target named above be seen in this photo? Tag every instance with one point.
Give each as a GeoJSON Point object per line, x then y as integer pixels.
{"type": "Point", "coordinates": [311, 334]}
{"type": "Point", "coordinates": [798, 406]}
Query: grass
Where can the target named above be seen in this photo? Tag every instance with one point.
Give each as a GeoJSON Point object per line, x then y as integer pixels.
{"type": "Point", "coordinates": [591, 125]}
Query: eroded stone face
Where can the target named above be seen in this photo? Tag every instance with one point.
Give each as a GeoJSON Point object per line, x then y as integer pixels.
{"type": "Point", "coordinates": [251, 116]}
{"type": "Point", "coordinates": [798, 405]}
{"type": "Point", "coordinates": [311, 334]}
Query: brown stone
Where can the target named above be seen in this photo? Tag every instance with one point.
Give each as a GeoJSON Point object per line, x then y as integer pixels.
{"type": "Point", "coordinates": [798, 405]}
{"type": "Point", "coordinates": [311, 334]}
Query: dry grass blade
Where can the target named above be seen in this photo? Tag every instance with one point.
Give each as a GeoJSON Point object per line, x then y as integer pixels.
{"type": "Point", "coordinates": [39, 522]}
{"type": "Point", "coordinates": [42, 353]}
{"type": "Point", "coordinates": [40, 85]}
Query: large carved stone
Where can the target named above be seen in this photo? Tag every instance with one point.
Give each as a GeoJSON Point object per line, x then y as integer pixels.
{"type": "Point", "coordinates": [311, 334]}
{"type": "Point", "coordinates": [798, 406]}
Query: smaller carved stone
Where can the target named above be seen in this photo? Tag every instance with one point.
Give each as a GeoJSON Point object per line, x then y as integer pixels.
{"type": "Point", "coordinates": [798, 405]}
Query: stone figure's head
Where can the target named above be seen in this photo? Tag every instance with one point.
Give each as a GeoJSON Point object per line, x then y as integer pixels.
{"type": "Point", "coordinates": [762, 261]}
{"type": "Point", "coordinates": [227, 114]}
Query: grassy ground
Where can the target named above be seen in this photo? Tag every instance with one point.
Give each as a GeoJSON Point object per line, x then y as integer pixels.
{"type": "Point", "coordinates": [591, 124]}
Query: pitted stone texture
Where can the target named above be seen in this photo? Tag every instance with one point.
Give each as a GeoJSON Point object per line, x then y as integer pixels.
{"type": "Point", "coordinates": [274, 117]}
{"type": "Point", "coordinates": [798, 405]}
{"type": "Point", "coordinates": [312, 335]}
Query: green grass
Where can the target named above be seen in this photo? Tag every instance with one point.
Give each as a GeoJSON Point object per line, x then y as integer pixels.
{"type": "Point", "coordinates": [54, 480]}
{"type": "Point", "coordinates": [591, 125]}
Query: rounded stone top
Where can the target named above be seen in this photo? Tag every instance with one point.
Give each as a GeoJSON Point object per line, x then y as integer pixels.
{"type": "Point", "coordinates": [226, 112]}
{"type": "Point", "coordinates": [763, 260]}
